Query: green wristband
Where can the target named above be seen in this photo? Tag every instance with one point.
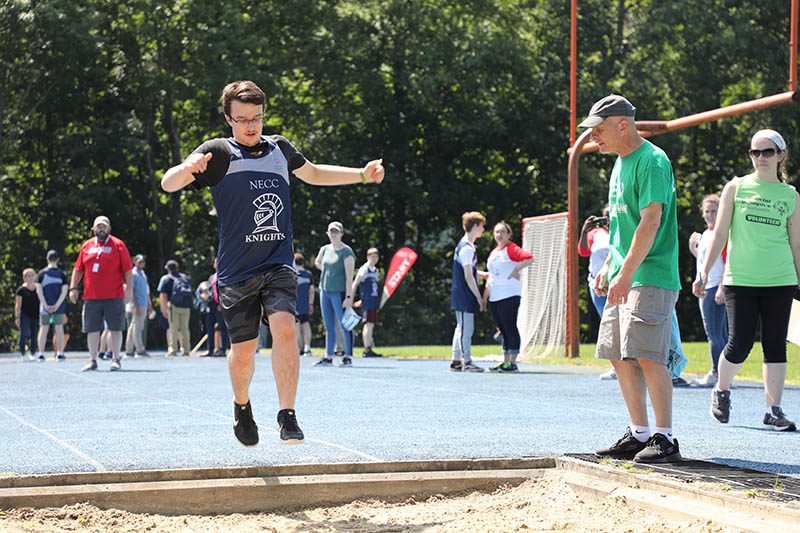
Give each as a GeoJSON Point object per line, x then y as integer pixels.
{"type": "Point", "coordinates": [363, 177]}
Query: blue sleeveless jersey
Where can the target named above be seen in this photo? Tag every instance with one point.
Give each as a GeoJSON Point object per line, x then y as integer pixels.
{"type": "Point", "coordinates": [368, 290]}
{"type": "Point", "coordinates": [461, 298]}
{"type": "Point", "coordinates": [254, 209]}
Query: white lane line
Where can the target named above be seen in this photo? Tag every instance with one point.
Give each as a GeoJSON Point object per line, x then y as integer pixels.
{"type": "Point", "coordinates": [211, 413]}
{"type": "Point", "coordinates": [100, 467]}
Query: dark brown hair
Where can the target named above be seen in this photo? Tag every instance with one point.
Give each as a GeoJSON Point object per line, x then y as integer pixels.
{"type": "Point", "coordinates": [243, 90]}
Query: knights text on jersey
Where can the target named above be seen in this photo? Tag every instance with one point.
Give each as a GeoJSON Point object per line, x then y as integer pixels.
{"type": "Point", "coordinates": [250, 188]}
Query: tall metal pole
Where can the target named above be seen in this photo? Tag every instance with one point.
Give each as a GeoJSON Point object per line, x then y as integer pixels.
{"type": "Point", "coordinates": [573, 313]}
{"type": "Point", "coordinates": [573, 72]}
{"type": "Point", "coordinates": [793, 48]}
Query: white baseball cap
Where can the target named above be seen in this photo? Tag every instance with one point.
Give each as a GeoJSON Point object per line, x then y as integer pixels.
{"type": "Point", "coordinates": [101, 220]}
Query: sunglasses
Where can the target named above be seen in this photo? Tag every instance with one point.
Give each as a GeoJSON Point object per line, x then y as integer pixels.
{"type": "Point", "coordinates": [769, 152]}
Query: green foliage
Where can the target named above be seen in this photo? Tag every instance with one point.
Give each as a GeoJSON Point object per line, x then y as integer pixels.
{"type": "Point", "coordinates": [467, 103]}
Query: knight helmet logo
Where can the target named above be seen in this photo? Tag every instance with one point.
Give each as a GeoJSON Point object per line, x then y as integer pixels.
{"type": "Point", "coordinates": [268, 207]}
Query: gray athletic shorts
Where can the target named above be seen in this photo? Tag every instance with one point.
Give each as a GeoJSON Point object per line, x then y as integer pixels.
{"type": "Point", "coordinates": [58, 318]}
{"type": "Point", "coordinates": [639, 329]}
{"type": "Point", "coordinates": [244, 305]}
{"type": "Point", "coordinates": [111, 310]}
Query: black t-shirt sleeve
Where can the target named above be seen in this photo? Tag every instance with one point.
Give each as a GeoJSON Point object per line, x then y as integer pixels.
{"type": "Point", "coordinates": [292, 155]}
{"type": "Point", "coordinates": [217, 167]}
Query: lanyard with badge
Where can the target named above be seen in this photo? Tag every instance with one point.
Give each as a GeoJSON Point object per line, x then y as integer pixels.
{"type": "Point", "coordinates": [96, 266]}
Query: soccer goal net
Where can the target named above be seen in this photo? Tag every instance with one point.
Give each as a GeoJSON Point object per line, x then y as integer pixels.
{"type": "Point", "coordinates": [543, 310]}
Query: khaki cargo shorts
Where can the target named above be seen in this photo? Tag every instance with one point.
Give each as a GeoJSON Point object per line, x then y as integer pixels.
{"type": "Point", "coordinates": [639, 329]}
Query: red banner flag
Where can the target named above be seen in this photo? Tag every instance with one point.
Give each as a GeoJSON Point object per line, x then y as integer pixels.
{"type": "Point", "coordinates": [401, 264]}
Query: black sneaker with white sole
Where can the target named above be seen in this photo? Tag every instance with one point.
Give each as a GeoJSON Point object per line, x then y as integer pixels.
{"type": "Point", "coordinates": [455, 366]}
{"type": "Point", "coordinates": [776, 420]}
{"type": "Point", "coordinates": [325, 361]}
{"type": "Point", "coordinates": [721, 405]}
{"type": "Point", "coordinates": [347, 362]}
{"type": "Point", "coordinates": [91, 365]}
{"type": "Point", "coordinates": [290, 430]}
{"type": "Point", "coordinates": [625, 448]}
{"type": "Point", "coordinates": [244, 427]}
{"type": "Point", "coordinates": [659, 450]}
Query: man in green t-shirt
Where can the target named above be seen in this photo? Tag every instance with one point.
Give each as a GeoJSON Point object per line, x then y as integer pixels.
{"type": "Point", "coordinates": [640, 278]}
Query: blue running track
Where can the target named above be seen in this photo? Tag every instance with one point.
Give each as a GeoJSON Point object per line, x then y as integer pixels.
{"type": "Point", "coordinates": [162, 413]}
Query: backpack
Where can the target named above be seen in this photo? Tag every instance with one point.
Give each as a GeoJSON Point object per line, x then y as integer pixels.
{"type": "Point", "coordinates": [181, 295]}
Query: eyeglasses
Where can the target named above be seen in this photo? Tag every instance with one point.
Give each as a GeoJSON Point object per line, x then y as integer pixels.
{"type": "Point", "coordinates": [769, 152]}
{"type": "Point", "coordinates": [248, 122]}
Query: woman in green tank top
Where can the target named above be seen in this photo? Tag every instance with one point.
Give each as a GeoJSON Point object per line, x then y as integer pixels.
{"type": "Point", "coordinates": [759, 216]}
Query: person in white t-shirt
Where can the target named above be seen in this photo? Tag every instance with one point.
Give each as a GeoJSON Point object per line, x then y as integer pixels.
{"type": "Point", "coordinates": [504, 291]}
{"type": "Point", "coordinates": [712, 305]}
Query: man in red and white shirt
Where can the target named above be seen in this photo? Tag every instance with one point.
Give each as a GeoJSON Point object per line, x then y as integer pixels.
{"type": "Point", "coordinates": [104, 265]}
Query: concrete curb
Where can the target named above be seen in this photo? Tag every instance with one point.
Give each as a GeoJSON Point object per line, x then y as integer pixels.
{"type": "Point", "coordinates": [675, 499]}
{"type": "Point", "coordinates": [384, 467]}
{"type": "Point", "coordinates": [243, 495]}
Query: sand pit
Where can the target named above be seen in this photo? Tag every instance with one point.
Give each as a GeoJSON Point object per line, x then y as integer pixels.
{"type": "Point", "coordinates": [542, 504]}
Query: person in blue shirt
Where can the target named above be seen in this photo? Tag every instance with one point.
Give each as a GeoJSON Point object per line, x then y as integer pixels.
{"type": "Point", "coordinates": [141, 308]}
{"type": "Point", "coordinates": [248, 176]}
{"type": "Point", "coordinates": [51, 287]}
{"type": "Point", "coordinates": [305, 304]}
{"type": "Point", "coordinates": [367, 284]}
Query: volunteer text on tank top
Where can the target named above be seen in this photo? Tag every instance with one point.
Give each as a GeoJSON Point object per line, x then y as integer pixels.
{"type": "Point", "coordinates": [253, 204]}
{"type": "Point", "coordinates": [759, 254]}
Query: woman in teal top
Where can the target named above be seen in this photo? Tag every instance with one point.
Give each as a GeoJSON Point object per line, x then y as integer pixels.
{"type": "Point", "coordinates": [760, 219]}
{"type": "Point", "coordinates": [337, 262]}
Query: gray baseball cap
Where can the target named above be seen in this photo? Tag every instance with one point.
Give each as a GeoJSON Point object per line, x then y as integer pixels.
{"type": "Point", "coordinates": [612, 105]}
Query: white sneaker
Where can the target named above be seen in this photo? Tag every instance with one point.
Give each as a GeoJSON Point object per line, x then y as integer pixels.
{"type": "Point", "coordinates": [608, 376]}
{"type": "Point", "coordinates": [707, 381]}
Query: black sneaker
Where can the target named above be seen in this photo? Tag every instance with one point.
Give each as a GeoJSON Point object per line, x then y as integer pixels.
{"type": "Point", "coordinates": [679, 382]}
{"type": "Point", "coordinates": [776, 420]}
{"type": "Point", "coordinates": [659, 450]}
{"type": "Point", "coordinates": [244, 427]}
{"type": "Point", "coordinates": [625, 448]}
{"type": "Point", "coordinates": [370, 353]}
{"type": "Point", "coordinates": [290, 431]}
{"type": "Point", "coordinates": [91, 365]}
{"type": "Point", "coordinates": [325, 361]}
{"type": "Point", "coordinates": [60, 357]}
{"type": "Point", "coordinates": [347, 361]}
{"type": "Point", "coordinates": [508, 367]}
{"type": "Point", "coordinates": [455, 366]}
{"type": "Point", "coordinates": [721, 405]}
{"type": "Point", "coordinates": [497, 367]}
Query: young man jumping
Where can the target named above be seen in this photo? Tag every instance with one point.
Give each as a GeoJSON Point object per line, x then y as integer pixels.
{"type": "Point", "coordinates": [248, 176]}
